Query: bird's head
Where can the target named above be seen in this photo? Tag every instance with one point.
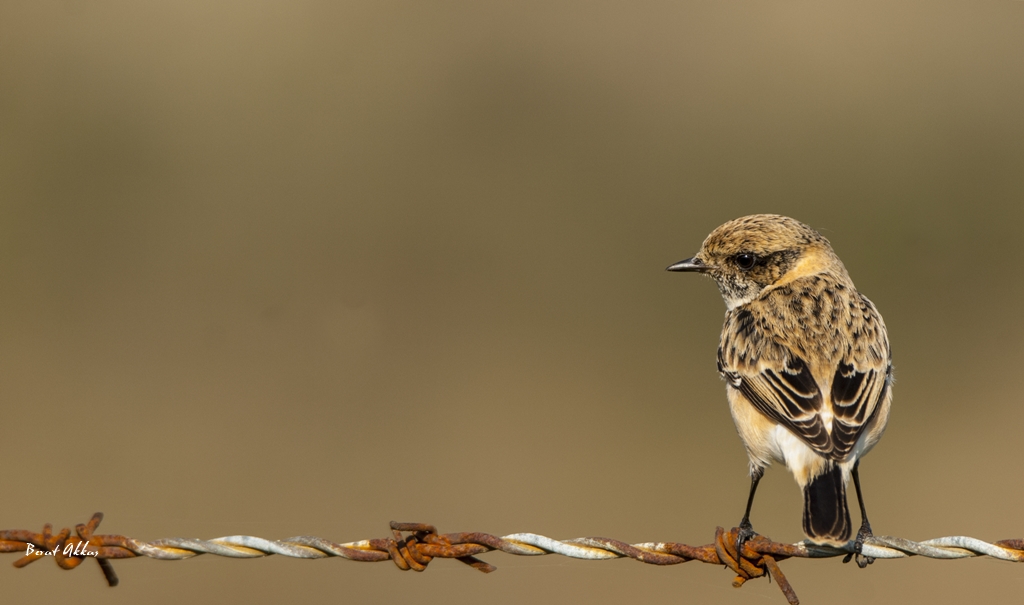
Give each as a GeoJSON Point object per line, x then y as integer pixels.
{"type": "Point", "coordinates": [750, 254]}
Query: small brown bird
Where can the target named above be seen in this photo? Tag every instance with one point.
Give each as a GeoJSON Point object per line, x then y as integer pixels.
{"type": "Point", "coordinates": [806, 361]}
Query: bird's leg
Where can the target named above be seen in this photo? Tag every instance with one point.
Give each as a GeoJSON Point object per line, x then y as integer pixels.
{"type": "Point", "coordinates": [746, 529]}
{"type": "Point", "coordinates": [865, 527]}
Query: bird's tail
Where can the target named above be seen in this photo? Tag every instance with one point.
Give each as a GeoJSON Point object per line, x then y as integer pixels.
{"type": "Point", "coordinates": [826, 517]}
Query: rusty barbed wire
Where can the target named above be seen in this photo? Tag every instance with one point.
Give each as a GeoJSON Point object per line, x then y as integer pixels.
{"type": "Point", "coordinates": [414, 545]}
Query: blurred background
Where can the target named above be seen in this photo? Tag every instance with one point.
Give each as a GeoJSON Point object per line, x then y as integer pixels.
{"type": "Point", "coordinates": [284, 268]}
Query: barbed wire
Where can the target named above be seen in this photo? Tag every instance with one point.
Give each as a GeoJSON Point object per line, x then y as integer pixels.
{"type": "Point", "coordinates": [414, 545]}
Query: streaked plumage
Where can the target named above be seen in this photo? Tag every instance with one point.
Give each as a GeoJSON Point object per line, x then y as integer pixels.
{"type": "Point", "coordinates": [806, 360]}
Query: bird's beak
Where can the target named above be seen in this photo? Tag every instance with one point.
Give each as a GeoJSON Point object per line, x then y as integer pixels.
{"type": "Point", "coordinates": [691, 264]}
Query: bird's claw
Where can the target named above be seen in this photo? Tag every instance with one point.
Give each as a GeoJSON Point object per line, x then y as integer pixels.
{"type": "Point", "coordinates": [745, 533]}
{"type": "Point", "coordinates": [858, 547]}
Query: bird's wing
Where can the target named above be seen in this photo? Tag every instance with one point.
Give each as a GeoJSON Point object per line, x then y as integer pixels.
{"type": "Point", "coordinates": [858, 389]}
{"type": "Point", "coordinates": [788, 394]}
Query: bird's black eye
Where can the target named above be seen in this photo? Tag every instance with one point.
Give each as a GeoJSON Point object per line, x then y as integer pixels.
{"type": "Point", "coordinates": [746, 261]}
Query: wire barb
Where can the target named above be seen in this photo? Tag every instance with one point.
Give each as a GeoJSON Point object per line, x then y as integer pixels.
{"type": "Point", "coordinates": [414, 545]}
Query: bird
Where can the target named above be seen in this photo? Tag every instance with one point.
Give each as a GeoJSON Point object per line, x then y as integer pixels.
{"type": "Point", "coordinates": [806, 362]}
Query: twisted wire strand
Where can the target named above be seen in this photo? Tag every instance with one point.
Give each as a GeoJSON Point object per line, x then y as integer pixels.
{"type": "Point", "coordinates": [413, 545]}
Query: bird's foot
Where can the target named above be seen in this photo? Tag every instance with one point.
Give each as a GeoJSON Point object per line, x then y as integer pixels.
{"type": "Point", "coordinates": [858, 547]}
{"type": "Point", "coordinates": [746, 533]}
